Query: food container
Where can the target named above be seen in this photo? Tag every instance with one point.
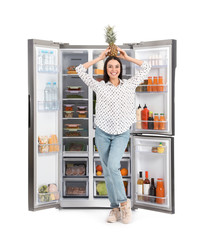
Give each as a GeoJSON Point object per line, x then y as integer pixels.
{"type": "Point", "coordinates": [82, 114]}
{"type": "Point", "coordinates": [68, 114]}
{"type": "Point", "coordinates": [68, 107]}
{"type": "Point", "coordinates": [154, 149]}
{"type": "Point", "coordinates": [74, 88]}
{"type": "Point", "coordinates": [82, 108]}
{"type": "Point", "coordinates": [71, 125]}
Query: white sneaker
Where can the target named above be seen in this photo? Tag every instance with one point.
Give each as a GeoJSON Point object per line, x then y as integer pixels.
{"type": "Point", "coordinates": [126, 212]}
{"type": "Point", "coordinates": [114, 215]}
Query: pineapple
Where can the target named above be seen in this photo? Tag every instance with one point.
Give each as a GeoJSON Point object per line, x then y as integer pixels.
{"type": "Point", "coordinates": [110, 36]}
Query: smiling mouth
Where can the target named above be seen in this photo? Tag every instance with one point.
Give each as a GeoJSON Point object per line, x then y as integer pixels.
{"type": "Point", "coordinates": [113, 74]}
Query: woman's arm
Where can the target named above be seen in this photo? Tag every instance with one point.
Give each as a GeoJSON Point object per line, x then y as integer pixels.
{"type": "Point", "coordinates": [139, 75]}
{"type": "Point", "coordinates": [101, 57]}
{"type": "Point", "coordinates": [86, 78]}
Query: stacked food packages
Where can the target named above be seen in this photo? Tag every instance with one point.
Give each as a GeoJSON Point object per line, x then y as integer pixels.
{"type": "Point", "coordinates": [48, 144]}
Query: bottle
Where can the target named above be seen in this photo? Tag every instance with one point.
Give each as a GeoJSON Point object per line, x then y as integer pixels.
{"type": "Point", "coordinates": [162, 122]}
{"type": "Point", "coordinates": [144, 117]}
{"type": "Point", "coordinates": [140, 187]}
{"type": "Point", "coordinates": [152, 191]}
{"type": "Point", "coordinates": [161, 87]}
{"type": "Point", "coordinates": [43, 60]}
{"type": "Point", "coordinates": [46, 61]}
{"type": "Point", "coordinates": [51, 65]}
{"type": "Point", "coordinates": [155, 82]}
{"type": "Point", "coordinates": [156, 121]}
{"type": "Point", "coordinates": [160, 191]}
{"type": "Point", "coordinates": [47, 96]}
{"type": "Point", "coordinates": [55, 96]}
{"type": "Point", "coordinates": [146, 186]}
{"type": "Point", "coordinates": [149, 87]}
{"type": "Point", "coordinates": [138, 117]}
{"type": "Point", "coordinates": [151, 120]}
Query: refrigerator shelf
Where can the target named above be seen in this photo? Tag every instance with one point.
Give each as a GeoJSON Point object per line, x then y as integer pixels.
{"type": "Point", "coordinates": [161, 92]}
{"type": "Point", "coordinates": [154, 197]}
{"type": "Point", "coordinates": [75, 137]}
{"type": "Point", "coordinates": [75, 118]}
{"type": "Point", "coordinates": [66, 74]}
{"type": "Point", "coordinates": [75, 154]}
{"type": "Point", "coordinates": [126, 154]}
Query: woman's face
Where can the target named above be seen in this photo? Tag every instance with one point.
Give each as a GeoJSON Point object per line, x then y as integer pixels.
{"type": "Point", "coordinates": [113, 69]}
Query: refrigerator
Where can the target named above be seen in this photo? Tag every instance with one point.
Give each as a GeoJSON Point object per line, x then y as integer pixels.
{"type": "Point", "coordinates": [63, 161]}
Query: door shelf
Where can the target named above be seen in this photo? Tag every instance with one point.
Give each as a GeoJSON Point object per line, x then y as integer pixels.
{"type": "Point", "coordinates": [48, 106]}
{"type": "Point", "coordinates": [151, 199]}
{"type": "Point", "coordinates": [47, 68]}
{"type": "Point", "coordinates": [48, 148]}
{"type": "Point", "coordinates": [48, 197]}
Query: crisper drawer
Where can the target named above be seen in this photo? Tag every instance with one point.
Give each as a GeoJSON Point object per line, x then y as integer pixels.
{"type": "Point", "coordinates": [75, 188]}
{"type": "Point", "coordinates": [75, 167]}
{"type": "Point", "coordinates": [100, 190]}
{"type": "Point", "coordinates": [124, 167]}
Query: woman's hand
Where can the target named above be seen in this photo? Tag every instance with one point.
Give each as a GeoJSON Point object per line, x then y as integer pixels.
{"type": "Point", "coordinates": [104, 53]}
{"type": "Point", "coordinates": [123, 54]}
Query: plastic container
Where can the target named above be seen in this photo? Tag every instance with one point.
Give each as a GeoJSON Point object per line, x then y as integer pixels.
{"type": "Point", "coordinates": [68, 114]}
{"type": "Point", "coordinates": [82, 114]}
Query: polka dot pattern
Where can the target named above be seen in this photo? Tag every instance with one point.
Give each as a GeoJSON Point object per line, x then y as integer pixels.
{"type": "Point", "coordinates": [115, 106]}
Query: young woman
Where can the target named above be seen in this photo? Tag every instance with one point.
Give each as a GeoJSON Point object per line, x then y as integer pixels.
{"type": "Point", "coordinates": [115, 113]}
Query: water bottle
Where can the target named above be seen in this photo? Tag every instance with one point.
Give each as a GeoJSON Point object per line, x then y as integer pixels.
{"type": "Point", "coordinates": [39, 61]}
{"type": "Point", "coordinates": [55, 96]}
{"type": "Point", "coordinates": [47, 96]}
{"type": "Point", "coordinates": [43, 60]}
{"type": "Point", "coordinates": [51, 64]}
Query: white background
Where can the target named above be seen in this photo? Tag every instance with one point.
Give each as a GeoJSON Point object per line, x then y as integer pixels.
{"type": "Point", "coordinates": [83, 22]}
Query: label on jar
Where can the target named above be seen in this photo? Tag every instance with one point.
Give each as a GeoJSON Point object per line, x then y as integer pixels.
{"type": "Point", "coordinates": [139, 189]}
{"type": "Point", "coordinates": [146, 189]}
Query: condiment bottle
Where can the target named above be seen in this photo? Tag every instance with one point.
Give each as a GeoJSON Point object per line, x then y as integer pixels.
{"type": "Point", "coordinates": [140, 187]}
{"type": "Point", "coordinates": [156, 121]}
{"type": "Point", "coordinates": [155, 82]}
{"type": "Point", "coordinates": [152, 191]}
{"type": "Point", "coordinates": [162, 122]}
{"type": "Point", "coordinates": [151, 121]}
{"type": "Point", "coordinates": [138, 117]}
{"type": "Point", "coordinates": [160, 191]}
{"type": "Point", "coordinates": [145, 116]}
{"type": "Point", "coordinates": [160, 148]}
{"type": "Point", "coordinates": [161, 87]}
{"type": "Point", "coordinates": [149, 86]}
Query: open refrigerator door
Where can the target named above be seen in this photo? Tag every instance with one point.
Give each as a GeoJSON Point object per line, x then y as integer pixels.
{"type": "Point", "coordinates": [153, 159]}
{"type": "Point", "coordinates": [155, 97]}
{"type": "Point", "coordinates": [44, 134]}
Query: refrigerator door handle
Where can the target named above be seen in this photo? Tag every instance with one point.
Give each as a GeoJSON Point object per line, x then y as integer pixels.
{"type": "Point", "coordinates": [29, 111]}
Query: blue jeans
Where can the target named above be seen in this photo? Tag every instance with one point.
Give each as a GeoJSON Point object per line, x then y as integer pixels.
{"type": "Point", "coordinates": [111, 149]}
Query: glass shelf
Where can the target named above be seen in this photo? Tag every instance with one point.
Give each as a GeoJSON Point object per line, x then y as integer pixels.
{"type": "Point", "coordinates": [48, 106]}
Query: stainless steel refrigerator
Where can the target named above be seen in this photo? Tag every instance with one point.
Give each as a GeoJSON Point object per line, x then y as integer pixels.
{"type": "Point", "coordinates": [63, 161]}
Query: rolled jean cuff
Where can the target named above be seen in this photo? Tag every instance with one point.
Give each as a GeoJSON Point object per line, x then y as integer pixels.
{"type": "Point", "coordinates": [114, 205]}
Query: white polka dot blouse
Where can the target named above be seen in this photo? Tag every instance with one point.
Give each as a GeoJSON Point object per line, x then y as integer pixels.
{"type": "Point", "coordinates": [115, 105]}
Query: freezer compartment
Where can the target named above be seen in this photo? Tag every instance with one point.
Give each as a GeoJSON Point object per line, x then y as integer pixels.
{"type": "Point", "coordinates": [100, 190]}
{"type": "Point", "coordinates": [125, 167]}
{"type": "Point", "coordinates": [75, 128]}
{"type": "Point", "coordinates": [153, 154]}
{"type": "Point", "coordinates": [75, 109]}
{"type": "Point", "coordinates": [72, 58]}
{"type": "Point", "coordinates": [75, 167]}
{"type": "Point", "coordinates": [77, 188]}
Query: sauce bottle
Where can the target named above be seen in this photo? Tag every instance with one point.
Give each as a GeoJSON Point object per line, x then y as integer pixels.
{"type": "Point", "coordinates": [155, 82]}
{"type": "Point", "coordinates": [149, 86]}
{"type": "Point", "coordinates": [162, 122]}
{"type": "Point", "coordinates": [161, 87]}
{"type": "Point", "coordinates": [145, 116]}
{"type": "Point", "coordinates": [151, 121]}
{"type": "Point", "coordinates": [140, 187]}
{"type": "Point", "coordinates": [152, 191]}
{"type": "Point", "coordinates": [160, 191]}
{"type": "Point", "coordinates": [138, 117]}
{"type": "Point", "coordinates": [156, 121]}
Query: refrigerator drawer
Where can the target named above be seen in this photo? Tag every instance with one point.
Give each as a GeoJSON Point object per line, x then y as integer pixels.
{"type": "Point", "coordinates": [75, 167]}
{"type": "Point", "coordinates": [100, 190]}
{"type": "Point", "coordinates": [75, 188]}
{"type": "Point", "coordinates": [125, 167]}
